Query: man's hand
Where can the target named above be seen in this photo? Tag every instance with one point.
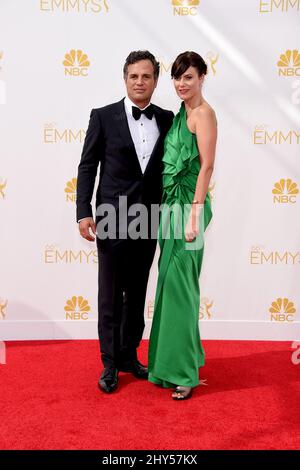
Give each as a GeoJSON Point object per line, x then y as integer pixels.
{"type": "Point", "coordinates": [84, 228]}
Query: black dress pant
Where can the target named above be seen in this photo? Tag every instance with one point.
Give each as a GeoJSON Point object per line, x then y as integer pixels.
{"type": "Point", "coordinates": [123, 276]}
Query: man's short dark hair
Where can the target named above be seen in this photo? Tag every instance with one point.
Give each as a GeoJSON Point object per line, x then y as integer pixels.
{"type": "Point", "coordinates": [136, 56]}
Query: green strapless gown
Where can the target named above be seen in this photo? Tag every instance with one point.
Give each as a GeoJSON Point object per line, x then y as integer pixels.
{"type": "Point", "coordinates": [175, 349]}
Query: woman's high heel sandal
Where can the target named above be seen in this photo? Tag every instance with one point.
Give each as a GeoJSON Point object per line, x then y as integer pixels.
{"type": "Point", "coordinates": [182, 393]}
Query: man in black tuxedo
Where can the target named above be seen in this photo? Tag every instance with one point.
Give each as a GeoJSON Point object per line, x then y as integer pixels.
{"type": "Point", "coordinates": [127, 138]}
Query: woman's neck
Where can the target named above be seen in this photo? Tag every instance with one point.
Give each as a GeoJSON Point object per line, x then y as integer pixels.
{"type": "Point", "coordinates": [193, 102]}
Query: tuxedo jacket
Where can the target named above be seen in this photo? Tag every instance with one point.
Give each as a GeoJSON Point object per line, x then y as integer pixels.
{"type": "Point", "coordinates": [108, 142]}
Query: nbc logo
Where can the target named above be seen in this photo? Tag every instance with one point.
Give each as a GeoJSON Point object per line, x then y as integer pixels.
{"type": "Point", "coordinates": [282, 310]}
{"type": "Point", "coordinates": [2, 187]}
{"type": "Point", "coordinates": [3, 305]}
{"type": "Point", "coordinates": [205, 306]}
{"type": "Point", "coordinates": [70, 190]}
{"type": "Point", "coordinates": [185, 7]}
{"type": "Point", "coordinates": [77, 308]}
{"type": "Point", "coordinates": [76, 63]}
{"type": "Point", "coordinates": [289, 64]}
{"type": "Point", "coordinates": [285, 191]}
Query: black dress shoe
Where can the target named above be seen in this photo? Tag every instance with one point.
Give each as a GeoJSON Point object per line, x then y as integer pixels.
{"type": "Point", "coordinates": [136, 368]}
{"type": "Point", "coordinates": [108, 381]}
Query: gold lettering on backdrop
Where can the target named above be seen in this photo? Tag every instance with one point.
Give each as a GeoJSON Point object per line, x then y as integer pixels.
{"type": "Point", "coordinates": [52, 255]}
{"type": "Point", "coordinates": [165, 68]}
{"type": "Point", "coordinates": [205, 310]}
{"type": "Point", "coordinates": [71, 190]}
{"type": "Point", "coordinates": [185, 7]}
{"type": "Point", "coordinates": [76, 63]}
{"type": "Point", "coordinates": [260, 256]}
{"type": "Point", "coordinates": [76, 6]}
{"type": "Point", "coordinates": [68, 136]}
{"type": "Point", "coordinates": [285, 191]}
{"type": "Point", "coordinates": [278, 137]}
{"type": "Point", "coordinates": [213, 59]}
{"type": "Point", "coordinates": [77, 308]}
{"type": "Point", "coordinates": [282, 310]}
{"type": "Point", "coordinates": [3, 305]}
{"type": "Point", "coordinates": [289, 63]}
{"type": "Point", "coordinates": [2, 188]}
{"type": "Point", "coordinates": [281, 5]}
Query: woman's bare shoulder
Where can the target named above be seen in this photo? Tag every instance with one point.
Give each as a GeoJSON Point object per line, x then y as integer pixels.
{"type": "Point", "coordinates": [205, 109]}
{"type": "Point", "coordinates": [204, 112]}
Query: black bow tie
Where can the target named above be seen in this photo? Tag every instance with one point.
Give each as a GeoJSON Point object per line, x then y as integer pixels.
{"type": "Point", "coordinates": [137, 112]}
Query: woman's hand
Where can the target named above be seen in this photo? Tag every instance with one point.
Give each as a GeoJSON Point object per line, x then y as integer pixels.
{"type": "Point", "coordinates": [192, 226]}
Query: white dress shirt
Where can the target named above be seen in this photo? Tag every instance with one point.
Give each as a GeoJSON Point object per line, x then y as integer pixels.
{"type": "Point", "coordinates": [144, 133]}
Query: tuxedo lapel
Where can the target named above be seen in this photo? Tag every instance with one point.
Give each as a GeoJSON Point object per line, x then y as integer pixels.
{"type": "Point", "coordinates": [124, 131]}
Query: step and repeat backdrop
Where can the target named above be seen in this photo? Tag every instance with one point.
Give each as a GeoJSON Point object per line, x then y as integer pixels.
{"type": "Point", "coordinates": [61, 58]}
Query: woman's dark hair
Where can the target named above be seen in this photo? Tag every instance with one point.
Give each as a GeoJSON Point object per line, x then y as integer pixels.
{"type": "Point", "coordinates": [136, 56]}
{"type": "Point", "coordinates": [185, 60]}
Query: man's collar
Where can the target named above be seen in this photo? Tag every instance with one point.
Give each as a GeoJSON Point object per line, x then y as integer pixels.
{"type": "Point", "coordinates": [128, 105]}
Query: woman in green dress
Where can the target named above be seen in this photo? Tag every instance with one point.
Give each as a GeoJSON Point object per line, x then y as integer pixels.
{"type": "Point", "coordinates": [175, 349]}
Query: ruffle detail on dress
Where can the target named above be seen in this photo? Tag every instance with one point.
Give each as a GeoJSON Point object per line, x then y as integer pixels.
{"type": "Point", "coordinates": [180, 169]}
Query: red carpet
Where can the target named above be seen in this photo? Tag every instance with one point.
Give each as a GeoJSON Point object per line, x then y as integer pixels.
{"type": "Point", "coordinates": [49, 400]}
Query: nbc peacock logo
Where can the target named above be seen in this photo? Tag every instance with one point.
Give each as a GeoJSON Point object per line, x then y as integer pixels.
{"type": "Point", "coordinates": [76, 63]}
{"type": "Point", "coordinates": [185, 3]}
{"type": "Point", "coordinates": [282, 310]}
{"type": "Point", "coordinates": [289, 64]}
{"type": "Point", "coordinates": [77, 308]}
{"type": "Point", "coordinates": [2, 188]}
{"type": "Point", "coordinates": [185, 7]}
{"type": "Point", "coordinates": [3, 305]}
{"type": "Point", "coordinates": [285, 191]}
{"type": "Point", "coordinates": [70, 190]}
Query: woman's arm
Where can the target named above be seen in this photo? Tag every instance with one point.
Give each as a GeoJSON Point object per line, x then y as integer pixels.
{"type": "Point", "coordinates": [206, 133]}
{"type": "Point", "coordinates": [205, 125]}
